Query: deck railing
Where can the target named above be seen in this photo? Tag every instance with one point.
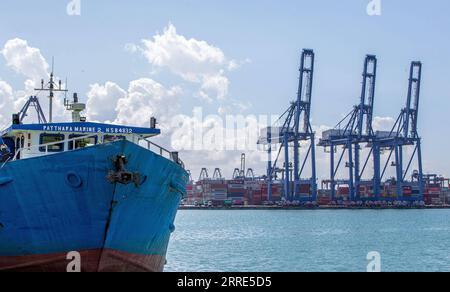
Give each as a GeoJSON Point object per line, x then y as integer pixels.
{"type": "Point", "coordinates": [173, 156]}
{"type": "Point", "coordinates": [47, 145]}
{"type": "Point", "coordinates": [151, 146]}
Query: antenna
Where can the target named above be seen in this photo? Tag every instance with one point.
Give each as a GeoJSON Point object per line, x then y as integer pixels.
{"type": "Point", "coordinates": [51, 87]}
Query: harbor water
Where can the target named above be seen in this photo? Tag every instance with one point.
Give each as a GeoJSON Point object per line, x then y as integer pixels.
{"type": "Point", "coordinates": [325, 240]}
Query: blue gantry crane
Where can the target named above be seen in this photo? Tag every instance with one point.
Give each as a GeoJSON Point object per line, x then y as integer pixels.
{"type": "Point", "coordinates": [352, 132]}
{"type": "Point", "coordinates": [405, 134]}
{"type": "Point", "coordinates": [296, 128]}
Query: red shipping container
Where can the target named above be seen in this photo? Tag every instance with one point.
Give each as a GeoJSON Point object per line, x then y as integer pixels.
{"type": "Point", "coordinates": [343, 191]}
{"type": "Point", "coordinates": [324, 201]}
{"type": "Point", "coordinates": [305, 189]}
{"type": "Point", "coordinates": [407, 191]}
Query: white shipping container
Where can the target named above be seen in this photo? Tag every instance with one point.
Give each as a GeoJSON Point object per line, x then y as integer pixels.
{"type": "Point", "coordinates": [333, 132]}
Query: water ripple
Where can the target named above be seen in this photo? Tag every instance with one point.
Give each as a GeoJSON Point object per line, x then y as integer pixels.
{"type": "Point", "coordinates": [330, 240]}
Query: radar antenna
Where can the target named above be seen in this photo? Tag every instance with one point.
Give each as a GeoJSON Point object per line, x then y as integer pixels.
{"type": "Point", "coordinates": [51, 87]}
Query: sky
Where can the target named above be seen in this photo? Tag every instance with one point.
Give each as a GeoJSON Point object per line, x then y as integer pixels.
{"type": "Point", "coordinates": [132, 59]}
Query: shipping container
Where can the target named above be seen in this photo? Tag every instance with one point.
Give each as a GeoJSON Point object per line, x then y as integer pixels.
{"type": "Point", "coordinates": [305, 189]}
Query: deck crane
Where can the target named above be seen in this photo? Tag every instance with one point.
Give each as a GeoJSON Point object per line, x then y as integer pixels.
{"type": "Point", "coordinates": [357, 131]}
{"type": "Point", "coordinates": [405, 134]}
{"type": "Point", "coordinates": [296, 128]}
{"type": "Point", "coordinates": [33, 102]}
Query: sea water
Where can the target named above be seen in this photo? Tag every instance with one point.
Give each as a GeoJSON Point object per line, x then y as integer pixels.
{"type": "Point", "coordinates": [322, 240]}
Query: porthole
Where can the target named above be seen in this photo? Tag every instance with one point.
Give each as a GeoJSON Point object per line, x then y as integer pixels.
{"type": "Point", "coordinates": [73, 180]}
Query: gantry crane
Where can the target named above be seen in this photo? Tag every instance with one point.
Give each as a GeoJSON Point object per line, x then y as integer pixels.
{"type": "Point", "coordinates": [217, 174]}
{"type": "Point", "coordinates": [204, 175]}
{"type": "Point", "coordinates": [240, 173]}
{"type": "Point", "coordinates": [357, 131]}
{"type": "Point", "coordinates": [405, 134]}
{"type": "Point", "coordinates": [295, 129]}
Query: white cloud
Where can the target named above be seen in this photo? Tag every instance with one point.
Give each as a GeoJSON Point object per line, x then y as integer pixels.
{"type": "Point", "coordinates": [30, 63]}
{"type": "Point", "coordinates": [193, 60]}
{"type": "Point", "coordinates": [12, 101]}
{"type": "Point", "coordinates": [219, 145]}
{"type": "Point", "coordinates": [143, 99]}
{"type": "Point", "coordinates": [383, 123]}
{"type": "Point", "coordinates": [147, 98]}
{"type": "Point", "coordinates": [25, 60]}
{"type": "Point", "coordinates": [102, 101]}
{"type": "Point", "coordinates": [234, 65]}
{"type": "Point", "coordinates": [233, 107]}
{"type": "Point", "coordinates": [6, 104]}
{"type": "Point", "coordinates": [214, 85]}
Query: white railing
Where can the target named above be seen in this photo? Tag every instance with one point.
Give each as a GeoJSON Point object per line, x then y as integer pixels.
{"type": "Point", "coordinates": [4, 163]}
{"type": "Point", "coordinates": [47, 145]}
{"type": "Point", "coordinates": [173, 156]}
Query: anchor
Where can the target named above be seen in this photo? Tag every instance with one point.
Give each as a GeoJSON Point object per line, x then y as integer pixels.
{"type": "Point", "coordinates": [121, 175]}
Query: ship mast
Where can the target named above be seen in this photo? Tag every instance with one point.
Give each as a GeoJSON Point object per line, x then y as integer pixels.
{"type": "Point", "coordinates": [51, 87]}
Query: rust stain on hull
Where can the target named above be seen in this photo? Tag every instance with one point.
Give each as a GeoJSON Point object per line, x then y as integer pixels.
{"type": "Point", "coordinates": [91, 261]}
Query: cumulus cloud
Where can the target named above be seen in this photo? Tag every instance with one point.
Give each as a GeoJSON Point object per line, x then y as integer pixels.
{"type": "Point", "coordinates": [147, 98]}
{"type": "Point", "coordinates": [6, 103]}
{"type": "Point", "coordinates": [12, 101]}
{"type": "Point", "coordinates": [233, 106]}
{"type": "Point", "coordinates": [143, 99]}
{"type": "Point", "coordinates": [214, 85]}
{"type": "Point", "coordinates": [193, 60]}
{"type": "Point", "coordinates": [31, 64]}
{"type": "Point", "coordinates": [218, 133]}
{"type": "Point", "coordinates": [25, 60]}
{"type": "Point", "coordinates": [102, 101]}
{"type": "Point", "coordinates": [383, 123]}
{"type": "Point", "coordinates": [219, 140]}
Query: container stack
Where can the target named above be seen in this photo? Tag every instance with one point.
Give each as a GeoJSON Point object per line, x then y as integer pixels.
{"type": "Point", "coordinates": [219, 191]}
{"type": "Point", "coordinates": [198, 193]}
{"type": "Point", "coordinates": [433, 195]}
{"type": "Point", "coordinates": [343, 193]}
{"type": "Point", "coordinates": [190, 193]}
{"type": "Point", "coordinates": [277, 191]}
{"type": "Point", "coordinates": [252, 190]}
{"type": "Point", "coordinates": [236, 191]}
{"type": "Point", "coordinates": [324, 197]}
{"type": "Point", "coordinates": [254, 194]}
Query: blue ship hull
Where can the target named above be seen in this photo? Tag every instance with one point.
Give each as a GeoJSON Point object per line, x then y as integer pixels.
{"type": "Point", "coordinates": [56, 204]}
